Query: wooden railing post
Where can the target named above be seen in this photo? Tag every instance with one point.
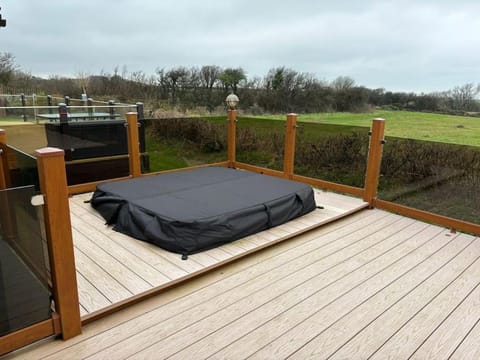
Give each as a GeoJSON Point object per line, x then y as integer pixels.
{"type": "Point", "coordinates": [133, 144]}
{"type": "Point", "coordinates": [3, 160]}
{"type": "Point", "coordinates": [53, 185]}
{"type": "Point", "coordinates": [289, 154]}
{"type": "Point", "coordinates": [374, 160]}
{"type": "Point", "coordinates": [232, 131]}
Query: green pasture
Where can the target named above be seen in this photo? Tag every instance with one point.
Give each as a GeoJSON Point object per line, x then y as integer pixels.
{"type": "Point", "coordinates": [405, 124]}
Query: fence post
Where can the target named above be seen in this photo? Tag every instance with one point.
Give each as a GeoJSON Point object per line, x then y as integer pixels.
{"type": "Point", "coordinates": [53, 185]}
{"type": "Point", "coordinates": [374, 160]}
{"type": "Point", "coordinates": [140, 111]}
{"type": "Point", "coordinates": [4, 172]}
{"type": "Point", "coordinates": [67, 100]}
{"type": "Point", "coordinates": [24, 103]}
{"type": "Point", "coordinates": [133, 144]}
{"type": "Point", "coordinates": [111, 109]}
{"type": "Point", "coordinates": [232, 130]}
{"type": "Point", "coordinates": [289, 154]}
{"type": "Point", "coordinates": [63, 113]}
{"type": "Point", "coordinates": [90, 107]}
{"type": "Point", "coordinates": [49, 103]}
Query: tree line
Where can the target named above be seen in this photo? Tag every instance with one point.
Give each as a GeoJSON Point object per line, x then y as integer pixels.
{"type": "Point", "coordinates": [281, 90]}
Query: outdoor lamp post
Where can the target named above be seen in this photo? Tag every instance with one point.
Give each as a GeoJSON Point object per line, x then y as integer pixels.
{"type": "Point", "coordinates": [232, 101]}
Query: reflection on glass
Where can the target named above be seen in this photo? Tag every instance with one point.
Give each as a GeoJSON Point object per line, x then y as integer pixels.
{"type": "Point", "coordinates": [94, 149]}
{"type": "Point", "coordinates": [436, 177]}
{"type": "Point", "coordinates": [173, 143]}
{"type": "Point", "coordinates": [335, 153]}
{"type": "Point", "coordinates": [261, 142]}
{"type": "Point", "coordinates": [22, 168]}
{"type": "Point", "coordinates": [24, 275]}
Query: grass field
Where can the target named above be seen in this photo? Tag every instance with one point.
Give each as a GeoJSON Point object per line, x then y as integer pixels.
{"type": "Point", "coordinates": [406, 124]}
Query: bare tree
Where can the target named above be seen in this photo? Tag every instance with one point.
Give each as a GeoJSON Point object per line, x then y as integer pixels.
{"type": "Point", "coordinates": [210, 75]}
{"type": "Point", "coordinates": [463, 97]}
{"type": "Point", "coordinates": [343, 83]}
{"type": "Point", "coordinates": [7, 67]}
{"type": "Point", "coordinates": [83, 79]}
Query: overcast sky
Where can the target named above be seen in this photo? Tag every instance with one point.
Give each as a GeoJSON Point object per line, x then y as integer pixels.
{"type": "Point", "coordinates": [402, 45]}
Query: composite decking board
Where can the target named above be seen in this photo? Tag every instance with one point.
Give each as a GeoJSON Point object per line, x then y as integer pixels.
{"type": "Point", "coordinates": [264, 260]}
{"type": "Point", "coordinates": [246, 279]}
{"type": "Point", "coordinates": [146, 252]}
{"type": "Point", "coordinates": [420, 327]}
{"type": "Point", "coordinates": [271, 286]}
{"type": "Point", "coordinates": [445, 339]}
{"type": "Point", "coordinates": [335, 266]}
{"type": "Point", "coordinates": [113, 267]}
{"type": "Point", "coordinates": [330, 341]}
{"type": "Point", "coordinates": [183, 297]}
{"type": "Point", "coordinates": [322, 287]}
{"type": "Point", "coordinates": [246, 303]}
{"type": "Point", "coordinates": [117, 265]}
{"type": "Point", "coordinates": [344, 295]}
{"type": "Point", "coordinates": [374, 332]}
{"type": "Point", "coordinates": [285, 263]}
{"type": "Point", "coordinates": [469, 348]}
{"type": "Point", "coordinates": [134, 246]}
{"type": "Point", "coordinates": [146, 266]}
{"type": "Point", "coordinates": [99, 278]}
{"type": "Point", "coordinates": [344, 262]}
{"type": "Point", "coordinates": [90, 298]}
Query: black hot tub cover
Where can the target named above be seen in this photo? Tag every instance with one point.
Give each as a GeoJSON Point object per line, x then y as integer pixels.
{"type": "Point", "coordinates": [194, 210]}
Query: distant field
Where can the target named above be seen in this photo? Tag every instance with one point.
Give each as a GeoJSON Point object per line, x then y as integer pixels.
{"type": "Point", "coordinates": [406, 124]}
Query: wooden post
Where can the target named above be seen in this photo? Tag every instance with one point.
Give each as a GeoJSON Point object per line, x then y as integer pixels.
{"type": "Point", "coordinates": [67, 100]}
{"type": "Point", "coordinates": [24, 103]}
{"type": "Point", "coordinates": [289, 154]}
{"type": "Point", "coordinates": [232, 131]}
{"type": "Point", "coordinates": [4, 172]}
{"type": "Point", "coordinates": [374, 160]}
{"type": "Point", "coordinates": [7, 218]}
{"type": "Point", "coordinates": [53, 185]}
{"type": "Point", "coordinates": [133, 144]}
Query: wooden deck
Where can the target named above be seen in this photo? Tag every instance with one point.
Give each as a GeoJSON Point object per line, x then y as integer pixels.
{"type": "Point", "coordinates": [113, 268]}
{"type": "Point", "coordinates": [372, 285]}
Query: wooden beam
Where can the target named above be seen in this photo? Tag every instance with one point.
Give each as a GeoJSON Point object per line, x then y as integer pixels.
{"type": "Point", "coordinates": [3, 160]}
{"type": "Point", "coordinates": [346, 189]}
{"type": "Point", "coordinates": [133, 145]}
{"type": "Point", "coordinates": [259, 169]}
{"type": "Point", "coordinates": [289, 151]}
{"type": "Point", "coordinates": [221, 164]}
{"type": "Point", "coordinates": [374, 160]}
{"type": "Point", "coordinates": [91, 186]}
{"type": "Point", "coordinates": [231, 139]}
{"type": "Point", "coordinates": [53, 185]}
{"type": "Point", "coordinates": [26, 336]}
{"type": "Point", "coordinates": [8, 221]}
{"type": "Point", "coordinates": [446, 221]}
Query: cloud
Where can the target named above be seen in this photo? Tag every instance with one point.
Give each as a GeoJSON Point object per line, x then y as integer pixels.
{"type": "Point", "coordinates": [399, 45]}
